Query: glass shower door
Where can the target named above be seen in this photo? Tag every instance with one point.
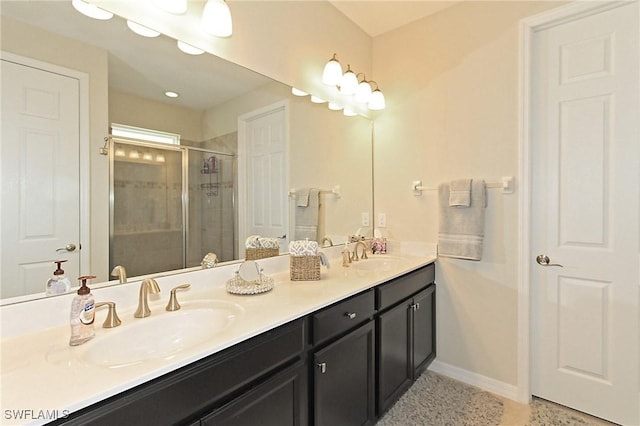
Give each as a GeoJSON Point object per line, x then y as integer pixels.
{"type": "Point", "coordinates": [147, 219]}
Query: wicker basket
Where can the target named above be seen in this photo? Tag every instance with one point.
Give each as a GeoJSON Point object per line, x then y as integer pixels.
{"type": "Point", "coordinates": [260, 253]}
{"type": "Point", "coordinates": [304, 268]}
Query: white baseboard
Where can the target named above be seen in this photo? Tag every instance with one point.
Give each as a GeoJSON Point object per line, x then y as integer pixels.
{"type": "Point", "coordinates": [488, 384]}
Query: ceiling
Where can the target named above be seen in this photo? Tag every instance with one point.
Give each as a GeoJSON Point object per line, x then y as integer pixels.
{"type": "Point", "coordinates": [147, 68]}
{"type": "Point", "coordinates": [376, 17]}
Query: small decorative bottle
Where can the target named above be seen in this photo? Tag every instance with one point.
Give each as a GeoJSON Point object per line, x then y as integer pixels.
{"type": "Point", "coordinates": [59, 284]}
{"type": "Point", "coordinates": [82, 314]}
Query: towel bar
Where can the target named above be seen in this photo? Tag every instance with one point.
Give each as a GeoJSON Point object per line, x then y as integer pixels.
{"type": "Point", "coordinates": [335, 191]}
{"type": "Point", "coordinates": [505, 183]}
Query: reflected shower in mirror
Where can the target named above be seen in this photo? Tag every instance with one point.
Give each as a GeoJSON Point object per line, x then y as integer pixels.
{"type": "Point", "coordinates": [123, 78]}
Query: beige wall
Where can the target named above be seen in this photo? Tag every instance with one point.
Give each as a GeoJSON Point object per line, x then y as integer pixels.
{"type": "Point", "coordinates": [31, 42]}
{"type": "Point", "coordinates": [451, 82]}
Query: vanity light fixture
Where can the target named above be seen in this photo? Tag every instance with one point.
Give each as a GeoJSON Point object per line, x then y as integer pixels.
{"type": "Point", "coordinates": [377, 102]}
{"type": "Point", "coordinates": [348, 82]}
{"type": "Point", "coordinates": [332, 73]}
{"type": "Point", "coordinates": [216, 18]}
{"type": "Point", "coordinates": [177, 7]}
{"type": "Point", "coordinates": [147, 156]}
{"type": "Point", "coordinates": [363, 92]}
{"type": "Point", "coordinates": [317, 100]}
{"type": "Point", "coordinates": [189, 49]}
{"type": "Point", "coordinates": [170, 94]}
{"type": "Point", "coordinates": [160, 158]}
{"type": "Point", "coordinates": [134, 154]}
{"type": "Point", "coordinates": [298, 92]}
{"type": "Point", "coordinates": [91, 10]}
{"type": "Point", "coordinates": [141, 29]}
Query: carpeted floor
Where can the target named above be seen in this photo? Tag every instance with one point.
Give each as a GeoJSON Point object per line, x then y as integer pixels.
{"type": "Point", "coordinates": [436, 400]}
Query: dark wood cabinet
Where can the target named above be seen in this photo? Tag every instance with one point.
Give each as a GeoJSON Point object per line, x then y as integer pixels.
{"type": "Point", "coordinates": [279, 401]}
{"type": "Point", "coordinates": [405, 340]}
{"type": "Point", "coordinates": [344, 380]}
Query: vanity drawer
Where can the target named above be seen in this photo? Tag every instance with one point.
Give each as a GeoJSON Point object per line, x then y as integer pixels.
{"type": "Point", "coordinates": [342, 316]}
{"type": "Point", "coordinates": [402, 287]}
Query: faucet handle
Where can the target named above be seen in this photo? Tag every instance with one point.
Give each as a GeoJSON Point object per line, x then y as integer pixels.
{"type": "Point", "coordinates": [173, 304]}
{"type": "Point", "coordinates": [112, 319]}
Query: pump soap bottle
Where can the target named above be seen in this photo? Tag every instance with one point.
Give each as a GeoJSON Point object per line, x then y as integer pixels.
{"type": "Point", "coordinates": [59, 284]}
{"type": "Point", "coordinates": [82, 314]}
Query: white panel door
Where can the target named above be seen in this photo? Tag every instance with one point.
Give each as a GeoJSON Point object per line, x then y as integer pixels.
{"type": "Point", "coordinates": [40, 177]}
{"type": "Point", "coordinates": [585, 212]}
{"type": "Point", "coordinates": [267, 179]}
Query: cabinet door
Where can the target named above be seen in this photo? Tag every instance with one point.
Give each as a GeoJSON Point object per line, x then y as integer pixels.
{"type": "Point", "coordinates": [424, 332]}
{"type": "Point", "coordinates": [280, 401]}
{"type": "Point", "coordinates": [395, 370]}
{"type": "Point", "coordinates": [344, 380]}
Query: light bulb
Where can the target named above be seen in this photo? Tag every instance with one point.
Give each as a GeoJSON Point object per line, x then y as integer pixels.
{"type": "Point", "coordinates": [177, 7]}
{"type": "Point", "coordinates": [348, 112]}
{"type": "Point", "coordinates": [317, 100]}
{"type": "Point", "coordinates": [91, 10]}
{"type": "Point", "coordinates": [216, 18]}
{"type": "Point", "coordinates": [189, 49]}
{"type": "Point", "coordinates": [298, 92]}
{"type": "Point", "coordinates": [142, 30]}
{"type": "Point", "coordinates": [377, 102]}
{"type": "Point", "coordinates": [348, 82]}
{"type": "Point", "coordinates": [332, 72]}
{"type": "Point", "coordinates": [334, 107]}
{"type": "Point", "coordinates": [363, 93]}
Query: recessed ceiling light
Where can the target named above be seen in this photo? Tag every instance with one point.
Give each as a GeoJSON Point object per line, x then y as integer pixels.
{"type": "Point", "coordinates": [142, 30]}
{"type": "Point", "coordinates": [171, 94]}
{"type": "Point", "coordinates": [189, 49]}
{"type": "Point", "coordinates": [91, 10]}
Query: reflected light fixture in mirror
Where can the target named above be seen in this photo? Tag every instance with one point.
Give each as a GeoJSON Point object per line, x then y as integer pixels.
{"type": "Point", "coordinates": [189, 49]}
{"type": "Point", "coordinates": [177, 7]}
{"type": "Point", "coordinates": [298, 92]}
{"type": "Point", "coordinates": [91, 10]}
{"type": "Point", "coordinates": [141, 30]}
{"type": "Point", "coordinates": [317, 100]}
{"type": "Point", "coordinates": [216, 18]}
{"type": "Point", "coordinates": [334, 106]}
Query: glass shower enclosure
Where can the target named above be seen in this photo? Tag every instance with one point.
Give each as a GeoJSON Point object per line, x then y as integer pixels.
{"type": "Point", "coordinates": [169, 206]}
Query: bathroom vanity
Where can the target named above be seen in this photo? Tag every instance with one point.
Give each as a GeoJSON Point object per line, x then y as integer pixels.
{"type": "Point", "coordinates": [340, 350]}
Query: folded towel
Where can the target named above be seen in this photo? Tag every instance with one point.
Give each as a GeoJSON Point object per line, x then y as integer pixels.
{"type": "Point", "coordinates": [303, 248]}
{"type": "Point", "coordinates": [252, 241]}
{"type": "Point", "coordinates": [271, 243]}
{"type": "Point", "coordinates": [302, 197]}
{"type": "Point", "coordinates": [461, 230]}
{"type": "Point", "coordinates": [306, 218]}
{"type": "Point", "coordinates": [460, 193]}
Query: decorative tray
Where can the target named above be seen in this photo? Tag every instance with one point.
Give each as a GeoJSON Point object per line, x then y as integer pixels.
{"type": "Point", "coordinates": [237, 285]}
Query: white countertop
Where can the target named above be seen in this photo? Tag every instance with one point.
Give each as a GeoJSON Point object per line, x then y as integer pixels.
{"type": "Point", "coordinates": [42, 377]}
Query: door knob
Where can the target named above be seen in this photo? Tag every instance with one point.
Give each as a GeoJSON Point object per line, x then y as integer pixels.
{"type": "Point", "coordinates": [543, 260]}
{"type": "Point", "coordinates": [68, 247]}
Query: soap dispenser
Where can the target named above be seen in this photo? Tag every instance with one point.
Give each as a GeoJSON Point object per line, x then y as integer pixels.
{"type": "Point", "coordinates": [82, 314]}
{"type": "Point", "coordinates": [58, 284]}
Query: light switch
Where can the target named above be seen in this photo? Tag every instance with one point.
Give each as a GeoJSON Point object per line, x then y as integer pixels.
{"type": "Point", "coordinates": [365, 218]}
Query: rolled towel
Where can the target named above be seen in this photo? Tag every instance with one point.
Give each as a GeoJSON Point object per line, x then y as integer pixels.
{"type": "Point", "coordinates": [252, 241]}
{"type": "Point", "coordinates": [303, 248]}
{"type": "Point", "coordinates": [460, 193]}
{"type": "Point", "coordinates": [271, 243]}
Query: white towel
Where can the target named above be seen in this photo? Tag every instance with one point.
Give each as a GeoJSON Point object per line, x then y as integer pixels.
{"type": "Point", "coordinates": [272, 243]}
{"type": "Point", "coordinates": [252, 241]}
{"type": "Point", "coordinates": [461, 232]}
{"type": "Point", "coordinates": [303, 248]}
{"type": "Point", "coordinates": [306, 218]}
{"type": "Point", "coordinates": [460, 193]}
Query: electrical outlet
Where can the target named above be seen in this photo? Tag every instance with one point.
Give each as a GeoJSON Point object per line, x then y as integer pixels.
{"type": "Point", "coordinates": [382, 220]}
{"type": "Point", "coordinates": [364, 218]}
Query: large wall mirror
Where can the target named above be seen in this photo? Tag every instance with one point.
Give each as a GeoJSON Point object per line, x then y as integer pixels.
{"type": "Point", "coordinates": [249, 154]}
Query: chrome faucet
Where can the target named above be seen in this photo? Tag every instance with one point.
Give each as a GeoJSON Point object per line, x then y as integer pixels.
{"type": "Point", "coordinates": [147, 286]}
{"type": "Point", "coordinates": [364, 251]}
{"type": "Point", "coordinates": [120, 272]}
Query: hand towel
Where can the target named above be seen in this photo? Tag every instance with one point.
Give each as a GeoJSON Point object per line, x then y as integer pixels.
{"type": "Point", "coordinates": [252, 241]}
{"type": "Point", "coordinates": [461, 230]}
{"type": "Point", "coordinates": [302, 197]}
{"type": "Point", "coordinates": [306, 218]}
{"type": "Point", "coordinates": [460, 193]}
{"type": "Point", "coordinates": [303, 248]}
{"type": "Point", "coordinates": [272, 243]}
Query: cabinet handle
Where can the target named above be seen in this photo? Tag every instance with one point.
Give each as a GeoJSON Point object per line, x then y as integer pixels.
{"type": "Point", "coordinates": [323, 367]}
{"type": "Point", "coordinates": [351, 315]}
{"type": "Point", "coordinates": [415, 306]}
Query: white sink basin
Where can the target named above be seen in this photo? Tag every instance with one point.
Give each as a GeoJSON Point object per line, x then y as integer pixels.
{"type": "Point", "coordinates": [161, 335]}
{"type": "Point", "coordinates": [377, 263]}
